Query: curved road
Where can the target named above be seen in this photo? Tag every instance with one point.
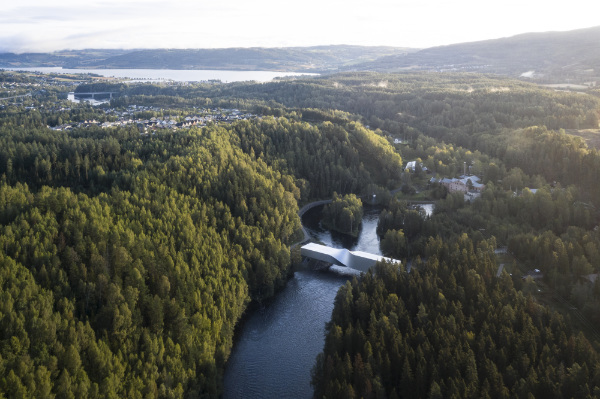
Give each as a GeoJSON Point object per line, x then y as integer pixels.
{"type": "Point", "coordinates": [311, 205]}
{"type": "Point", "coordinates": [301, 213]}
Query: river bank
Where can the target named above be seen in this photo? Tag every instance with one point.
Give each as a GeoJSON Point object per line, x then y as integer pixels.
{"type": "Point", "coordinates": [276, 344]}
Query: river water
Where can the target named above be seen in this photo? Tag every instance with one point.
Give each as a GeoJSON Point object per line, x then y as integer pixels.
{"type": "Point", "coordinates": [277, 345]}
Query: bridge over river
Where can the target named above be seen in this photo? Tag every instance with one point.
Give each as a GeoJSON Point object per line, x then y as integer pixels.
{"type": "Point", "coordinates": [357, 260]}
{"type": "Point", "coordinates": [94, 94]}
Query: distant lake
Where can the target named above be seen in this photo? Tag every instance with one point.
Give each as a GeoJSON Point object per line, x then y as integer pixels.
{"type": "Point", "coordinates": [178, 75]}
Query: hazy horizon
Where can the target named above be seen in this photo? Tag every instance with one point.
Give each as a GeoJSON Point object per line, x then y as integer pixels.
{"type": "Point", "coordinates": [34, 26]}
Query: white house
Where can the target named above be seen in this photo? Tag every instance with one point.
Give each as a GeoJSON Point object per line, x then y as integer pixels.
{"type": "Point", "coordinates": [412, 166]}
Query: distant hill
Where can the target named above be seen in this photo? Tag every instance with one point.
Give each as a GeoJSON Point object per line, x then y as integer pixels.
{"type": "Point", "coordinates": [553, 56]}
{"type": "Point", "coordinates": [65, 59]}
{"type": "Point", "coordinates": [306, 59]}
{"type": "Point", "coordinates": [571, 57]}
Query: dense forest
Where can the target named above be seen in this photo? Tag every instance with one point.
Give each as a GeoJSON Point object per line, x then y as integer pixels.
{"type": "Point", "coordinates": [450, 328]}
{"type": "Point", "coordinates": [343, 214]}
{"type": "Point", "coordinates": [128, 259]}
{"type": "Point", "coordinates": [551, 228]}
{"type": "Point", "coordinates": [142, 285]}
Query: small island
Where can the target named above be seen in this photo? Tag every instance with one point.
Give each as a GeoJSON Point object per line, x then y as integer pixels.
{"type": "Point", "coordinates": [344, 214]}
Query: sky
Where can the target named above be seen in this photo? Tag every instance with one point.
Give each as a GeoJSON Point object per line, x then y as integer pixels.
{"type": "Point", "coordinates": [45, 26]}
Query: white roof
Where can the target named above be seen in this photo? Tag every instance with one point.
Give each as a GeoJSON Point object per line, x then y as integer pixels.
{"type": "Point", "coordinates": [353, 259]}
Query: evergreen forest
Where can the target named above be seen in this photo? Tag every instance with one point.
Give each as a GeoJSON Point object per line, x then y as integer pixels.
{"type": "Point", "coordinates": [128, 256]}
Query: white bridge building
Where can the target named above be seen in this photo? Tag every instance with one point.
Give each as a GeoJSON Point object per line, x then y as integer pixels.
{"type": "Point", "coordinates": [358, 260]}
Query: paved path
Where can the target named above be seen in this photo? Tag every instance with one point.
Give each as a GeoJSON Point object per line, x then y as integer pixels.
{"type": "Point", "coordinates": [311, 205]}
{"type": "Point", "coordinates": [301, 213]}
{"type": "Point", "coordinates": [500, 268]}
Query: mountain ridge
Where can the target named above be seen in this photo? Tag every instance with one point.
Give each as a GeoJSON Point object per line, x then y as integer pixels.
{"type": "Point", "coordinates": [554, 55]}
{"type": "Point", "coordinates": [545, 57]}
{"type": "Point", "coordinates": [303, 59]}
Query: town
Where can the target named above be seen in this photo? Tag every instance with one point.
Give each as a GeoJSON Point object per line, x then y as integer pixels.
{"type": "Point", "coordinates": [31, 91]}
{"type": "Point", "coordinates": [148, 125]}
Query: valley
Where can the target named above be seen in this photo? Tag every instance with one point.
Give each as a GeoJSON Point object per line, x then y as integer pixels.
{"type": "Point", "coordinates": [132, 259]}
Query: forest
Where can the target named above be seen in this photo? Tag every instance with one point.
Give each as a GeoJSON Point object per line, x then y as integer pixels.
{"type": "Point", "coordinates": [450, 328]}
{"type": "Point", "coordinates": [344, 214]}
{"type": "Point", "coordinates": [128, 259]}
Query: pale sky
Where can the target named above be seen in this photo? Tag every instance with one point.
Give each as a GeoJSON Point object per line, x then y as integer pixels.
{"type": "Point", "coordinates": [42, 25]}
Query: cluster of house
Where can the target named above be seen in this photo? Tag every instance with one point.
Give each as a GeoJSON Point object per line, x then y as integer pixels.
{"type": "Point", "coordinates": [167, 122]}
{"type": "Point", "coordinates": [40, 79]}
{"type": "Point", "coordinates": [16, 87]}
{"type": "Point", "coordinates": [469, 184]}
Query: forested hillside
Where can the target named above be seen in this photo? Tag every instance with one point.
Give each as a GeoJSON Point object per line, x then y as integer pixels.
{"type": "Point", "coordinates": [143, 283]}
{"type": "Point", "coordinates": [299, 59]}
{"type": "Point", "coordinates": [508, 133]}
{"type": "Point", "coordinates": [517, 122]}
{"type": "Point", "coordinates": [559, 57]}
{"type": "Point", "coordinates": [450, 328]}
{"type": "Point", "coordinates": [128, 259]}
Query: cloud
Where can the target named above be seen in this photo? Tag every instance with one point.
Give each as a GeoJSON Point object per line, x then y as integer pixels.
{"type": "Point", "coordinates": [14, 44]}
{"type": "Point", "coordinates": [34, 25]}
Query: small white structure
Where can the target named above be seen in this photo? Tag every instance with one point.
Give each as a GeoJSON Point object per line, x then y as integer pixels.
{"type": "Point", "coordinates": [358, 260]}
{"type": "Point", "coordinates": [412, 166]}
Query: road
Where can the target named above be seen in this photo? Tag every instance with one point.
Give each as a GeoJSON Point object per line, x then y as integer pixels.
{"type": "Point", "coordinates": [311, 205]}
{"type": "Point", "coordinates": [301, 213]}
{"type": "Point", "coordinates": [10, 98]}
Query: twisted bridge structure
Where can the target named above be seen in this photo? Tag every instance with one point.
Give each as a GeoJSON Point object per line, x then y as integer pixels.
{"type": "Point", "coordinates": [94, 94]}
{"type": "Point", "coordinates": [357, 260]}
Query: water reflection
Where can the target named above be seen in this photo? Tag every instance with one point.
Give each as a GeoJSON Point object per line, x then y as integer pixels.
{"type": "Point", "coordinates": [277, 345]}
{"type": "Point", "coordinates": [367, 240]}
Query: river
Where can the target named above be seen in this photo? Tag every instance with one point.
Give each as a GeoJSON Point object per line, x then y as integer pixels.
{"type": "Point", "coordinates": [177, 75]}
{"type": "Point", "coordinates": [277, 345]}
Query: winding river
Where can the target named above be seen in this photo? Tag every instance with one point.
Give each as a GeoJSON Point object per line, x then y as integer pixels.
{"type": "Point", "coordinates": [276, 345]}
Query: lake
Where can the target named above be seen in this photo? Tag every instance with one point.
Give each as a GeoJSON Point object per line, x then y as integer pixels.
{"type": "Point", "coordinates": [173, 74]}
